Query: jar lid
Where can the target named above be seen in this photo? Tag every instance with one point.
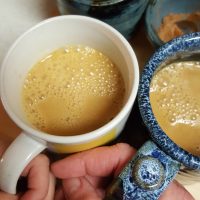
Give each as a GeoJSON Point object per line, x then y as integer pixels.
{"type": "Point", "coordinates": [98, 2]}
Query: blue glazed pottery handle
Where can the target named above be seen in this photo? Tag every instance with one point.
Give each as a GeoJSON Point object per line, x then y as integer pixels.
{"type": "Point", "coordinates": [145, 176]}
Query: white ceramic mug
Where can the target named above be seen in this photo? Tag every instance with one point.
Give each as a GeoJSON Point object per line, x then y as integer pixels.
{"type": "Point", "coordinates": [40, 40]}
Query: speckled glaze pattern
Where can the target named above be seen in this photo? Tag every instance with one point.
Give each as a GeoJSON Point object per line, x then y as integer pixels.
{"type": "Point", "coordinates": [156, 171]}
{"type": "Point", "coordinates": [185, 44]}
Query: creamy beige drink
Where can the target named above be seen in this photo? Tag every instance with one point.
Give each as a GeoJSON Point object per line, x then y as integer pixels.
{"type": "Point", "coordinates": [72, 91]}
{"type": "Point", "coordinates": [175, 101]}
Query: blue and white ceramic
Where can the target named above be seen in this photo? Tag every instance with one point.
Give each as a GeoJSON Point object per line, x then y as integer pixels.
{"type": "Point", "coordinates": [158, 161]}
{"type": "Point", "coordinates": [177, 49]}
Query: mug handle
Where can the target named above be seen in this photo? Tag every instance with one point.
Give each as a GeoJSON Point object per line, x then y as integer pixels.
{"type": "Point", "coordinates": [17, 156]}
{"type": "Point", "coordinates": [145, 176]}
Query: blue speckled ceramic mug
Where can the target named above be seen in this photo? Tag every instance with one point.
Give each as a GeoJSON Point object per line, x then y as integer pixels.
{"type": "Point", "coordinates": [158, 161]}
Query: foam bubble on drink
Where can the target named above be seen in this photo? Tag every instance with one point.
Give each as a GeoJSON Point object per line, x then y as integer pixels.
{"type": "Point", "coordinates": [181, 105]}
{"type": "Point", "coordinates": [174, 96]}
{"type": "Point", "coordinates": [71, 77]}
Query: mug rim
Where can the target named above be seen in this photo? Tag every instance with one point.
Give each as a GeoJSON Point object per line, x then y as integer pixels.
{"type": "Point", "coordinates": [86, 136]}
{"type": "Point", "coordinates": [179, 44]}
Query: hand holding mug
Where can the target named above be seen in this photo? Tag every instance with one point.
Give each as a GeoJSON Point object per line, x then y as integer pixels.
{"type": "Point", "coordinates": [40, 182]}
{"type": "Point", "coordinates": [86, 175]}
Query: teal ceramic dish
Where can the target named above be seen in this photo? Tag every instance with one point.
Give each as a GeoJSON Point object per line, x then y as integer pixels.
{"type": "Point", "coordinates": [157, 9]}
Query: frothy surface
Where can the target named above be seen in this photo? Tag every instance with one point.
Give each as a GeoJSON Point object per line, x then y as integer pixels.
{"type": "Point", "coordinates": [72, 91]}
{"type": "Point", "coordinates": [175, 101]}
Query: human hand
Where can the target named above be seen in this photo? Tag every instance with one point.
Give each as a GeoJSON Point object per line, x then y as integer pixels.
{"type": "Point", "coordinates": [86, 175]}
{"type": "Point", "coordinates": [41, 184]}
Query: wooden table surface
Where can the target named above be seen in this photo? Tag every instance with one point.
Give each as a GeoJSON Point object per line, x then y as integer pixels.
{"type": "Point", "coordinates": [134, 133]}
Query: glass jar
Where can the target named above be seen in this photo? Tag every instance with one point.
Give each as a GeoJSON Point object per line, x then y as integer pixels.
{"type": "Point", "coordinates": [121, 14]}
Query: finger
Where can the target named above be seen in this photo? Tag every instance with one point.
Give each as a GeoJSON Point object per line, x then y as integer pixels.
{"type": "Point", "coordinates": [175, 191]}
{"type": "Point", "coordinates": [5, 196]}
{"type": "Point", "coordinates": [38, 178]}
{"type": "Point", "coordinates": [51, 190]}
{"type": "Point", "coordinates": [79, 188]}
{"type": "Point", "coordinates": [59, 194]}
{"type": "Point", "coordinates": [100, 161]}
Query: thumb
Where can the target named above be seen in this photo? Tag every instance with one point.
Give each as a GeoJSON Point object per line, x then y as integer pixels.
{"type": "Point", "coordinates": [51, 189]}
{"type": "Point", "coordinates": [176, 191]}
